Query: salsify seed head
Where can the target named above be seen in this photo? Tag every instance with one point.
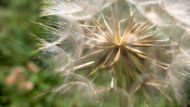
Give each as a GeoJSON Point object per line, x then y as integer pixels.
{"type": "Point", "coordinates": [115, 42]}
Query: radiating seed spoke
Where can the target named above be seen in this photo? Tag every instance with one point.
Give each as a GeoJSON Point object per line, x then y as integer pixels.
{"type": "Point", "coordinates": [128, 27]}
{"type": "Point", "coordinates": [144, 56]}
{"type": "Point", "coordinates": [83, 65]}
{"type": "Point", "coordinates": [117, 56]}
{"type": "Point", "coordinates": [152, 45]}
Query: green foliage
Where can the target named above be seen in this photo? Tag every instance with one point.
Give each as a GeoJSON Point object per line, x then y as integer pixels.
{"type": "Point", "coordinates": [17, 47]}
{"type": "Point", "coordinates": [16, 43]}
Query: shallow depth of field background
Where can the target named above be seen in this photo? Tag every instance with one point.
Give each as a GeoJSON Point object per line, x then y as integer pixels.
{"type": "Point", "coordinates": [24, 80]}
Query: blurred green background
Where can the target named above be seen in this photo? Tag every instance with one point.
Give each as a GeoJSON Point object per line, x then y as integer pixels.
{"type": "Point", "coordinates": [22, 80]}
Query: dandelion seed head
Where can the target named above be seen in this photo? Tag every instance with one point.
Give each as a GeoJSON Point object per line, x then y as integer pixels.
{"type": "Point", "coordinates": [137, 56]}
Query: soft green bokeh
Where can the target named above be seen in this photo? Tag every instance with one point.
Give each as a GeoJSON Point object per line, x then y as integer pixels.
{"type": "Point", "coordinates": [17, 47]}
